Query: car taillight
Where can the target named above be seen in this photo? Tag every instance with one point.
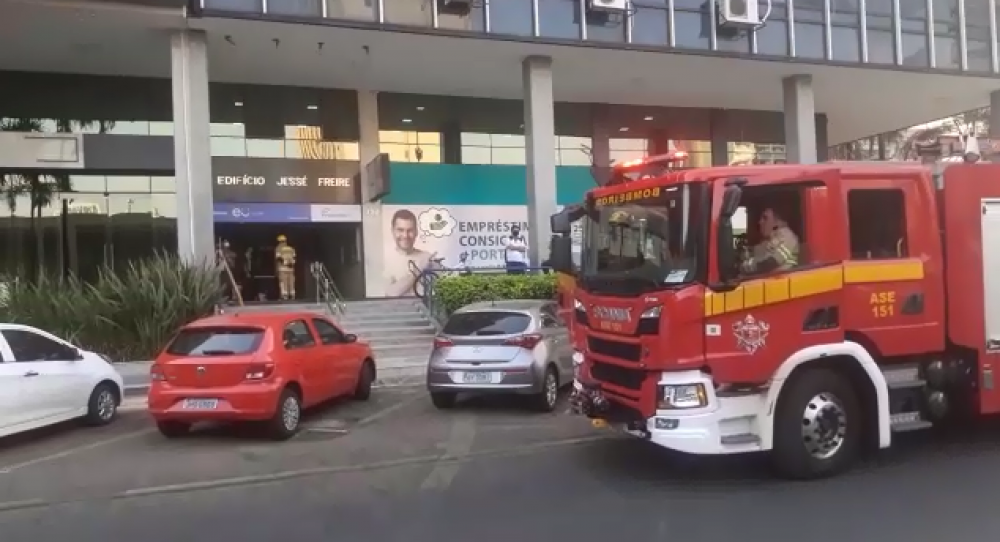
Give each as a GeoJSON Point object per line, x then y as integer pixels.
{"type": "Point", "coordinates": [259, 371]}
{"type": "Point", "coordinates": [441, 342]}
{"type": "Point", "coordinates": [527, 341]}
{"type": "Point", "coordinates": [156, 374]}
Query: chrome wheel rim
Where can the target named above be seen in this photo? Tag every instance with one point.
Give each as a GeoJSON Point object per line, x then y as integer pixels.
{"type": "Point", "coordinates": [824, 426]}
{"type": "Point", "coordinates": [290, 413]}
{"type": "Point", "coordinates": [105, 405]}
{"type": "Point", "coordinates": [551, 390]}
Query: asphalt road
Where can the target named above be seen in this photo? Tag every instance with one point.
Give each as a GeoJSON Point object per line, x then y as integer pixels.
{"type": "Point", "coordinates": [398, 470]}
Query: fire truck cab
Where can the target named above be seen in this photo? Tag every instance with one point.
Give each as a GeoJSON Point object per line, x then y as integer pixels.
{"type": "Point", "coordinates": [888, 321]}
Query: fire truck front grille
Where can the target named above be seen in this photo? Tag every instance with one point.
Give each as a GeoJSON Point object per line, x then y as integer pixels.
{"type": "Point", "coordinates": [615, 349]}
{"type": "Point", "coordinates": [619, 376]}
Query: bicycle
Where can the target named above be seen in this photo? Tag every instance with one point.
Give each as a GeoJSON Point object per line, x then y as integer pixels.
{"type": "Point", "coordinates": [424, 279]}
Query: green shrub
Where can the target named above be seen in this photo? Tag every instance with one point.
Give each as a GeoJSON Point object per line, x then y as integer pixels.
{"type": "Point", "coordinates": [456, 291]}
{"type": "Point", "coordinates": [127, 315]}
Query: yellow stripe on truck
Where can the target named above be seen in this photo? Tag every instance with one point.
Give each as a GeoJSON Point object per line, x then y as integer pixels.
{"type": "Point", "coordinates": [807, 283]}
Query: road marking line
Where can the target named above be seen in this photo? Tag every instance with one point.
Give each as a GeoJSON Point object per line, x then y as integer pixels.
{"type": "Point", "coordinates": [390, 409]}
{"type": "Point", "coordinates": [461, 437]}
{"type": "Point", "coordinates": [73, 451]}
{"type": "Point", "coordinates": [8, 506]}
{"type": "Point", "coordinates": [375, 465]}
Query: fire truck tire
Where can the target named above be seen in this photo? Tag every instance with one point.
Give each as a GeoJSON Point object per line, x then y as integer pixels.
{"type": "Point", "coordinates": [817, 425]}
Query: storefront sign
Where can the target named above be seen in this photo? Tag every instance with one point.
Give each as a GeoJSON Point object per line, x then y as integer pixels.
{"type": "Point", "coordinates": [281, 180]}
{"type": "Point", "coordinates": [335, 213]}
{"type": "Point", "coordinates": [274, 213]}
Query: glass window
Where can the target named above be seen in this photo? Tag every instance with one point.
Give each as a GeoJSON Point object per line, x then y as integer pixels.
{"type": "Point", "coordinates": [476, 155]}
{"type": "Point", "coordinates": [479, 140]}
{"type": "Point", "coordinates": [161, 128]}
{"type": "Point", "coordinates": [235, 129]}
{"type": "Point", "coordinates": [409, 12]}
{"type": "Point", "coordinates": [128, 184]}
{"type": "Point", "coordinates": [846, 44]}
{"type": "Point", "coordinates": [473, 21]}
{"type": "Point", "coordinates": [946, 48]}
{"type": "Point", "coordinates": [297, 335]}
{"type": "Point", "coordinates": [486, 323]}
{"type": "Point", "coordinates": [300, 8]}
{"type": "Point", "coordinates": [303, 132]}
{"type": "Point", "coordinates": [124, 127]}
{"type": "Point", "coordinates": [649, 23]}
{"type": "Point", "coordinates": [87, 183]}
{"type": "Point", "coordinates": [28, 346]}
{"type": "Point", "coordinates": [328, 333]}
{"type": "Point", "coordinates": [216, 341]}
{"type": "Point", "coordinates": [691, 26]}
{"type": "Point", "coordinates": [511, 17]}
{"type": "Point", "coordinates": [559, 18]}
{"type": "Point", "coordinates": [163, 184]}
{"type": "Point", "coordinates": [881, 237]}
{"type": "Point", "coordinates": [878, 15]}
{"type": "Point", "coordinates": [228, 146]}
{"type": "Point", "coordinates": [235, 5]}
{"type": "Point", "coordinates": [607, 27]}
{"type": "Point", "coordinates": [357, 10]}
{"type": "Point", "coordinates": [509, 155]}
{"type": "Point", "coordinates": [265, 148]}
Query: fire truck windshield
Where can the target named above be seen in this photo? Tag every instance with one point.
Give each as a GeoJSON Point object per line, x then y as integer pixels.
{"type": "Point", "coordinates": [642, 241]}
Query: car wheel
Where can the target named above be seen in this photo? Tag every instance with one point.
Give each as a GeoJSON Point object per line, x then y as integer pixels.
{"type": "Point", "coordinates": [363, 391]}
{"type": "Point", "coordinates": [102, 408]}
{"type": "Point", "coordinates": [287, 417]}
{"type": "Point", "coordinates": [173, 429]}
{"type": "Point", "coordinates": [817, 427]}
{"type": "Point", "coordinates": [545, 401]}
{"type": "Point", "coordinates": [443, 400]}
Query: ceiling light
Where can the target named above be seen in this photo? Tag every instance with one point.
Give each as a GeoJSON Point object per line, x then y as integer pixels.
{"type": "Point", "coordinates": [623, 129]}
{"type": "Point", "coordinates": [238, 104]}
{"type": "Point", "coordinates": [648, 118]}
{"type": "Point", "coordinates": [407, 121]}
{"type": "Point", "coordinates": [312, 107]}
{"type": "Point", "coordinates": [420, 108]}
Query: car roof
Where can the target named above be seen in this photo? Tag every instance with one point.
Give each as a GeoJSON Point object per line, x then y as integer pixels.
{"type": "Point", "coordinates": [261, 319]}
{"type": "Point", "coordinates": [505, 305]}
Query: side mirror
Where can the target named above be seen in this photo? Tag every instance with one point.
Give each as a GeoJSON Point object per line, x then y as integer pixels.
{"type": "Point", "coordinates": [561, 254]}
{"type": "Point", "coordinates": [726, 252]}
{"type": "Point", "coordinates": [560, 223]}
{"type": "Point", "coordinates": [351, 338]}
{"type": "Point", "coordinates": [730, 202]}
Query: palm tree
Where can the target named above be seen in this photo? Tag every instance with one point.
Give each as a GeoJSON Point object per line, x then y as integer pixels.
{"type": "Point", "coordinates": [40, 189]}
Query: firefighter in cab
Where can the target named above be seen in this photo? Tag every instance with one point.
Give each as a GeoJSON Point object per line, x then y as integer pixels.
{"type": "Point", "coordinates": [284, 259]}
{"type": "Point", "coordinates": [778, 249]}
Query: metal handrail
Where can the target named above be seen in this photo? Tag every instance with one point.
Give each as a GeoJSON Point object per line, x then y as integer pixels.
{"type": "Point", "coordinates": [221, 256]}
{"type": "Point", "coordinates": [326, 289]}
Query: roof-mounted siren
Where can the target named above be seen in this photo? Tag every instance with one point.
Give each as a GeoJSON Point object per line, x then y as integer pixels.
{"type": "Point", "coordinates": [742, 14]}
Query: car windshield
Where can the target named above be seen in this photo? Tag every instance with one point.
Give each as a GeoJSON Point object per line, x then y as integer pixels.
{"type": "Point", "coordinates": [483, 323]}
{"type": "Point", "coordinates": [641, 242]}
{"type": "Point", "coordinates": [230, 341]}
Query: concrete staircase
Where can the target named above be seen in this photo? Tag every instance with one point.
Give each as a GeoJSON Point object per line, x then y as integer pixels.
{"type": "Point", "coordinates": [399, 331]}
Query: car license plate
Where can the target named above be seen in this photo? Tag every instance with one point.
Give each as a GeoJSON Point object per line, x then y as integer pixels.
{"type": "Point", "coordinates": [201, 404]}
{"type": "Point", "coordinates": [478, 378]}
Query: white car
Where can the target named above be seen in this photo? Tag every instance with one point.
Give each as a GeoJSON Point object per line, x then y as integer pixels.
{"type": "Point", "coordinates": [45, 380]}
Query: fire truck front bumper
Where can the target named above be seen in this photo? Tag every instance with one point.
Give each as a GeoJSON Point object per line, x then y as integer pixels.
{"type": "Point", "coordinates": [690, 416]}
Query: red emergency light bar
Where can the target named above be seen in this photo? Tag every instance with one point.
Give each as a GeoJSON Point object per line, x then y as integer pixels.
{"type": "Point", "coordinates": [668, 158]}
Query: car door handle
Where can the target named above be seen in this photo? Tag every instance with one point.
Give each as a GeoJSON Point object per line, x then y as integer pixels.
{"type": "Point", "coordinates": [31, 373]}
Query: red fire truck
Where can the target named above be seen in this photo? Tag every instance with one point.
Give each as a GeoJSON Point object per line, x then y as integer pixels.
{"type": "Point", "coordinates": [888, 322]}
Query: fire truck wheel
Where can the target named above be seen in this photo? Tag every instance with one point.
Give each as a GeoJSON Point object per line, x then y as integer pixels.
{"type": "Point", "coordinates": [817, 426]}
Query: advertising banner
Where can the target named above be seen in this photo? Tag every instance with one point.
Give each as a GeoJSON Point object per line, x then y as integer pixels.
{"type": "Point", "coordinates": [413, 234]}
{"type": "Point", "coordinates": [261, 213]}
{"type": "Point", "coordinates": [281, 180]}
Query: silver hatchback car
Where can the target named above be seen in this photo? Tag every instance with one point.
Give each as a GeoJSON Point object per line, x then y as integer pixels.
{"type": "Point", "coordinates": [514, 347]}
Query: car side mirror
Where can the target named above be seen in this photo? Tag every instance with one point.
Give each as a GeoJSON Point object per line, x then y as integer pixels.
{"type": "Point", "coordinates": [726, 252]}
{"type": "Point", "coordinates": [731, 201]}
{"type": "Point", "coordinates": [351, 338]}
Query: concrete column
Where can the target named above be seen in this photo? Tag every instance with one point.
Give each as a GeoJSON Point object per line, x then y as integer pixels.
{"type": "Point", "coordinates": [192, 151]}
{"type": "Point", "coordinates": [717, 138]}
{"type": "Point", "coordinates": [600, 136]}
{"type": "Point", "coordinates": [540, 142]}
{"type": "Point", "coordinates": [371, 213]}
{"type": "Point", "coordinates": [994, 129]}
{"type": "Point", "coordinates": [800, 119]}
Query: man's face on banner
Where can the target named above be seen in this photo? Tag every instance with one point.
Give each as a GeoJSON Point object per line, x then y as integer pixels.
{"type": "Point", "coordinates": [404, 232]}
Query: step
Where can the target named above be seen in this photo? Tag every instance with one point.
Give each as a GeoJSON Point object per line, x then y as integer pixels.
{"type": "Point", "coordinates": [396, 334]}
{"type": "Point", "coordinates": [902, 422]}
{"type": "Point", "coordinates": [394, 350]}
{"type": "Point", "coordinates": [364, 327]}
{"type": "Point", "coordinates": [903, 376]}
{"type": "Point", "coordinates": [381, 318]}
{"type": "Point", "coordinates": [397, 362]}
{"type": "Point", "coordinates": [739, 440]}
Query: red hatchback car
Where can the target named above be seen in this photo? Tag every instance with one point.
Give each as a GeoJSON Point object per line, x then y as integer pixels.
{"type": "Point", "coordinates": [263, 367]}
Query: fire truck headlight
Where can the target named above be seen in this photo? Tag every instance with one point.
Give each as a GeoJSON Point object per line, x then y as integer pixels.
{"type": "Point", "coordinates": [652, 312]}
{"type": "Point", "coordinates": [577, 358]}
{"type": "Point", "coordinates": [684, 396]}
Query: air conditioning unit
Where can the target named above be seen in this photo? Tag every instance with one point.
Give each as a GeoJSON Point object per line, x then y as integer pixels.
{"type": "Point", "coordinates": [455, 7]}
{"type": "Point", "coordinates": [739, 12]}
{"type": "Point", "coordinates": [608, 6]}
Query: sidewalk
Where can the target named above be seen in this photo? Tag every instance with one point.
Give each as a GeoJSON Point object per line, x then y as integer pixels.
{"type": "Point", "coordinates": [135, 374]}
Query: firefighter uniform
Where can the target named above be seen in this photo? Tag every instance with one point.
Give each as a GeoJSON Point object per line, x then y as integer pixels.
{"type": "Point", "coordinates": [284, 257]}
{"type": "Point", "coordinates": [778, 253]}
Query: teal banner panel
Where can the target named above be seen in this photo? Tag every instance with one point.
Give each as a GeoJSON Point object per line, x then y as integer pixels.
{"type": "Point", "coordinates": [474, 184]}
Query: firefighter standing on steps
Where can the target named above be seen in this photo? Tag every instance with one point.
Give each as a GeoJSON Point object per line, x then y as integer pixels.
{"type": "Point", "coordinates": [284, 260]}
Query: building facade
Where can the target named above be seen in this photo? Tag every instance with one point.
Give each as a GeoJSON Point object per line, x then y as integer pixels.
{"type": "Point", "coordinates": [173, 125]}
